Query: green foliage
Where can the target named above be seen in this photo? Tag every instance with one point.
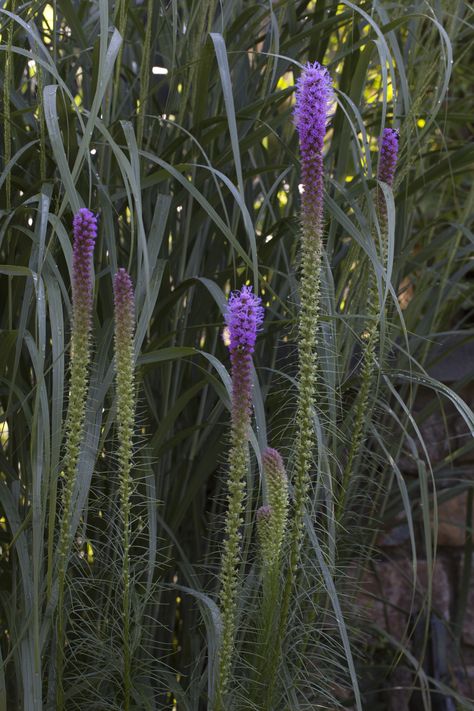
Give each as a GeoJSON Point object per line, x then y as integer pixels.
{"type": "Point", "coordinates": [195, 175]}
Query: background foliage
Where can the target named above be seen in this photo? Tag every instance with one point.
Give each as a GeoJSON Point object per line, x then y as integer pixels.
{"type": "Point", "coordinates": [195, 175]}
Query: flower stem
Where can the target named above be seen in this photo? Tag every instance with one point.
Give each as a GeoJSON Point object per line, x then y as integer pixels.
{"type": "Point", "coordinates": [244, 317]}
{"type": "Point", "coordinates": [125, 385]}
{"type": "Point", "coordinates": [386, 172]}
{"type": "Point", "coordinates": [271, 529]}
{"type": "Point", "coordinates": [314, 92]}
{"type": "Point", "coordinates": [85, 233]}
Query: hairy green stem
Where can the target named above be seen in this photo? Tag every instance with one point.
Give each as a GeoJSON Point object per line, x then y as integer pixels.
{"type": "Point", "coordinates": [125, 425]}
{"type": "Point", "coordinates": [85, 234]}
{"type": "Point", "coordinates": [74, 433]}
{"type": "Point", "coordinates": [271, 529]}
{"type": "Point", "coordinates": [305, 441]}
{"type": "Point", "coordinates": [231, 554]}
{"type": "Point", "coordinates": [362, 403]}
{"type": "Point", "coordinates": [244, 316]}
{"type": "Point", "coordinates": [371, 341]}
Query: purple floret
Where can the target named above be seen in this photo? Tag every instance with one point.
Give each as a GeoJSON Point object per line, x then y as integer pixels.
{"type": "Point", "coordinates": [85, 235]}
{"type": "Point", "coordinates": [264, 513]}
{"type": "Point", "coordinates": [313, 94]}
{"type": "Point", "coordinates": [124, 302]}
{"type": "Point", "coordinates": [123, 293]}
{"type": "Point", "coordinates": [271, 458]}
{"type": "Point", "coordinates": [388, 155]}
{"type": "Point", "coordinates": [243, 317]}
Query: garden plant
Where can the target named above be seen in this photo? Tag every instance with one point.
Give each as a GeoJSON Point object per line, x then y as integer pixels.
{"type": "Point", "coordinates": [236, 254]}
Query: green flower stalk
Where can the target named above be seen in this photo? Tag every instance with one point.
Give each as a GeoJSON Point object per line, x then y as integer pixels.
{"type": "Point", "coordinates": [124, 302]}
{"type": "Point", "coordinates": [243, 317]}
{"type": "Point", "coordinates": [277, 488]}
{"type": "Point", "coordinates": [272, 520]}
{"type": "Point", "coordinates": [265, 516]}
{"type": "Point", "coordinates": [85, 235]}
{"type": "Point", "coordinates": [386, 172]}
{"type": "Point", "coordinates": [314, 92]}
{"type": "Point", "coordinates": [271, 529]}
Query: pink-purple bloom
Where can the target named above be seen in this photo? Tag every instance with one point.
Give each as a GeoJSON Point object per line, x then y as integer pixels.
{"type": "Point", "coordinates": [264, 513]}
{"type": "Point", "coordinates": [124, 301]}
{"type": "Point", "coordinates": [244, 317]}
{"type": "Point", "coordinates": [388, 155]}
{"type": "Point", "coordinates": [313, 94]}
{"type": "Point", "coordinates": [271, 459]}
{"type": "Point", "coordinates": [85, 235]}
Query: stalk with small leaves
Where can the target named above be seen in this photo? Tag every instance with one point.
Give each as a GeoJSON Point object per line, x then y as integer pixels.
{"type": "Point", "coordinates": [385, 174]}
{"type": "Point", "coordinates": [243, 317]}
{"type": "Point", "coordinates": [271, 530]}
{"type": "Point", "coordinates": [313, 95]}
{"type": "Point", "coordinates": [124, 305]}
{"type": "Point", "coordinates": [84, 238]}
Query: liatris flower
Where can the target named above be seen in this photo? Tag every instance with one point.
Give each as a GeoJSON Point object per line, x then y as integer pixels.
{"type": "Point", "coordinates": [244, 317]}
{"type": "Point", "coordinates": [314, 92]}
{"type": "Point", "coordinates": [386, 173]}
{"type": "Point", "coordinates": [313, 95]}
{"type": "Point", "coordinates": [271, 529]}
{"type": "Point", "coordinates": [84, 237]}
{"type": "Point", "coordinates": [124, 302]}
{"type": "Point", "coordinates": [277, 487]}
{"type": "Point", "coordinates": [388, 155]}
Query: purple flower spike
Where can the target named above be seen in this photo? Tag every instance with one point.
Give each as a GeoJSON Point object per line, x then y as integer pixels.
{"type": "Point", "coordinates": [272, 460]}
{"type": "Point", "coordinates": [85, 235]}
{"type": "Point", "coordinates": [313, 94]}
{"type": "Point", "coordinates": [124, 300]}
{"type": "Point", "coordinates": [244, 317]}
{"type": "Point", "coordinates": [388, 155]}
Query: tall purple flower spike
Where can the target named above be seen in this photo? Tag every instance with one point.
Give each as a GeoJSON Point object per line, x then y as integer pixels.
{"type": "Point", "coordinates": [243, 318]}
{"type": "Point", "coordinates": [124, 303]}
{"type": "Point", "coordinates": [388, 155]}
{"type": "Point", "coordinates": [313, 94]}
{"type": "Point", "coordinates": [85, 235]}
